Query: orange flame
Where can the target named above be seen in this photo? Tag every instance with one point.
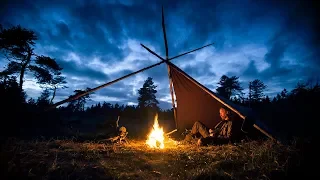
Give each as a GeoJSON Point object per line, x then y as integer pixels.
{"type": "Point", "coordinates": [156, 136]}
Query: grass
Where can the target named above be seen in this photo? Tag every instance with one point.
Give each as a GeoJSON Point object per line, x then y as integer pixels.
{"type": "Point", "coordinates": [71, 159]}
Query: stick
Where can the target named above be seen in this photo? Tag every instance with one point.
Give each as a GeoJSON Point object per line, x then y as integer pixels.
{"type": "Point", "coordinates": [265, 133]}
{"type": "Point", "coordinates": [171, 132]}
{"type": "Point", "coordinates": [117, 122]}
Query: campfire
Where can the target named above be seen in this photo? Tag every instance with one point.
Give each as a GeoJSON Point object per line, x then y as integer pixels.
{"type": "Point", "coordinates": [156, 136]}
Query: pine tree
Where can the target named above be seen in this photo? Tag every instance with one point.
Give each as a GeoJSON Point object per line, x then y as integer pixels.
{"type": "Point", "coordinates": [284, 94]}
{"type": "Point", "coordinates": [229, 86]}
{"type": "Point", "coordinates": [43, 99]}
{"type": "Point", "coordinates": [256, 89]}
{"type": "Point", "coordinates": [17, 43]}
{"type": "Point", "coordinates": [147, 95]}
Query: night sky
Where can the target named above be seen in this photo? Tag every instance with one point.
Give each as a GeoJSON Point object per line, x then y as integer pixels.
{"type": "Point", "coordinates": [98, 41]}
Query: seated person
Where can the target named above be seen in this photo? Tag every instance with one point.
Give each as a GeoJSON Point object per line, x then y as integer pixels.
{"type": "Point", "coordinates": [221, 134]}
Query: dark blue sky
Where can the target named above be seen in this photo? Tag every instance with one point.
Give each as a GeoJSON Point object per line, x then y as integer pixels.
{"type": "Point", "coordinates": [98, 41]}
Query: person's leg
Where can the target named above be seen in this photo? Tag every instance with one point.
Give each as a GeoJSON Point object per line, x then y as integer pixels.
{"type": "Point", "coordinates": [200, 128]}
{"type": "Point", "coordinates": [206, 141]}
{"type": "Point", "coordinates": [212, 141]}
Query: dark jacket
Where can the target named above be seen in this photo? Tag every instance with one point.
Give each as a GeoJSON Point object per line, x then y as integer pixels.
{"type": "Point", "coordinates": [222, 134]}
{"type": "Point", "coordinates": [223, 129]}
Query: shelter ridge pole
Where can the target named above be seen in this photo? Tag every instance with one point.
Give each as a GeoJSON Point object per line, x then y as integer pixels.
{"type": "Point", "coordinates": [103, 85]}
{"type": "Point", "coordinates": [168, 67]}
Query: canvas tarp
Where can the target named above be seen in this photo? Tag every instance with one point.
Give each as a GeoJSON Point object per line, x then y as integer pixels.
{"type": "Point", "coordinates": [195, 102]}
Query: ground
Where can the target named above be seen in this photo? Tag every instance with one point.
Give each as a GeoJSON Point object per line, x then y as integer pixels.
{"type": "Point", "coordinates": [71, 159]}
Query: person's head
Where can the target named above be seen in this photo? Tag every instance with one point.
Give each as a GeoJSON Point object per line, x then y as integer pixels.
{"type": "Point", "coordinates": [224, 114]}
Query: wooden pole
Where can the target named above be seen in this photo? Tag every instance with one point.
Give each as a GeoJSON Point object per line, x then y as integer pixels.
{"type": "Point", "coordinates": [103, 85]}
{"type": "Point", "coordinates": [165, 36]}
{"type": "Point", "coordinates": [117, 122]}
{"type": "Point", "coordinates": [172, 96]}
{"type": "Point", "coordinates": [168, 67]}
{"type": "Point", "coordinates": [265, 133]}
{"type": "Point", "coordinates": [189, 52]}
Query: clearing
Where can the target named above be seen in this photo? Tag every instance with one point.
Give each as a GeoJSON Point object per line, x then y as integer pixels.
{"type": "Point", "coordinates": [71, 159]}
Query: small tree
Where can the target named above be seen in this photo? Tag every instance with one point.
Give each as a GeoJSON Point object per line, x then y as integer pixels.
{"type": "Point", "coordinates": [58, 81]}
{"type": "Point", "coordinates": [147, 95]}
{"type": "Point", "coordinates": [284, 94]}
{"type": "Point", "coordinates": [79, 103]}
{"type": "Point", "coordinates": [267, 100]}
{"type": "Point", "coordinates": [256, 89]}
{"type": "Point", "coordinates": [229, 86]}
{"type": "Point", "coordinates": [43, 99]}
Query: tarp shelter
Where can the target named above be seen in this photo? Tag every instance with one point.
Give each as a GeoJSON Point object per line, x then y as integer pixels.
{"type": "Point", "coordinates": [195, 102]}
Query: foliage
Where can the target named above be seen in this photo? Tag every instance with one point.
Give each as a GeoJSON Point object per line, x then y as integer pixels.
{"type": "Point", "coordinates": [57, 81]}
{"type": "Point", "coordinates": [256, 88]}
{"type": "Point", "coordinates": [43, 99]}
{"type": "Point", "coordinates": [147, 95]}
{"type": "Point", "coordinates": [16, 44]}
{"type": "Point", "coordinates": [79, 103]}
{"type": "Point", "coordinates": [229, 86]}
{"type": "Point", "coordinates": [10, 93]}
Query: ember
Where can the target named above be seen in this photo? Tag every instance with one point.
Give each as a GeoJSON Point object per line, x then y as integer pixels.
{"type": "Point", "coordinates": [156, 137]}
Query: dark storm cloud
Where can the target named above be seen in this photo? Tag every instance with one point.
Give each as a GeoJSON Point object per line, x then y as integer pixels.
{"type": "Point", "coordinates": [113, 91]}
{"type": "Point", "coordinates": [251, 70]}
{"type": "Point", "coordinates": [300, 27]}
{"type": "Point", "coordinates": [202, 69]}
{"type": "Point", "coordinates": [295, 37]}
{"type": "Point", "coordinates": [72, 69]}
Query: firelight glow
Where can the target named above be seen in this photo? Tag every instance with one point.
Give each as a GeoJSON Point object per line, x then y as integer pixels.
{"type": "Point", "coordinates": [156, 137]}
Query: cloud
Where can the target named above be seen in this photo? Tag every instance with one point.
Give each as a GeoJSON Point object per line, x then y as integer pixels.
{"type": "Point", "coordinates": [73, 69]}
{"type": "Point", "coordinates": [99, 41]}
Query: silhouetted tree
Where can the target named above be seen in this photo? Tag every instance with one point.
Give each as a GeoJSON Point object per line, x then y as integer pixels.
{"type": "Point", "coordinates": [57, 81]}
{"type": "Point", "coordinates": [284, 94]}
{"type": "Point", "coordinates": [17, 43]}
{"type": "Point", "coordinates": [10, 93]}
{"type": "Point", "coordinates": [31, 101]}
{"type": "Point", "coordinates": [79, 103]}
{"type": "Point", "coordinates": [278, 97]}
{"type": "Point", "coordinates": [147, 95]}
{"type": "Point", "coordinates": [229, 86]}
{"type": "Point", "coordinates": [266, 100]}
{"type": "Point", "coordinates": [256, 88]}
{"type": "Point", "coordinates": [43, 99]}
{"type": "Point", "coordinates": [300, 88]}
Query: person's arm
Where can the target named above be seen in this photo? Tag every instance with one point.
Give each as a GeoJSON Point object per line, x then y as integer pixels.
{"type": "Point", "coordinates": [229, 130]}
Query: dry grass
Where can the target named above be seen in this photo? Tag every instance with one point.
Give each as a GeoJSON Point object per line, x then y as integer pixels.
{"type": "Point", "coordinates": [69, 159]}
